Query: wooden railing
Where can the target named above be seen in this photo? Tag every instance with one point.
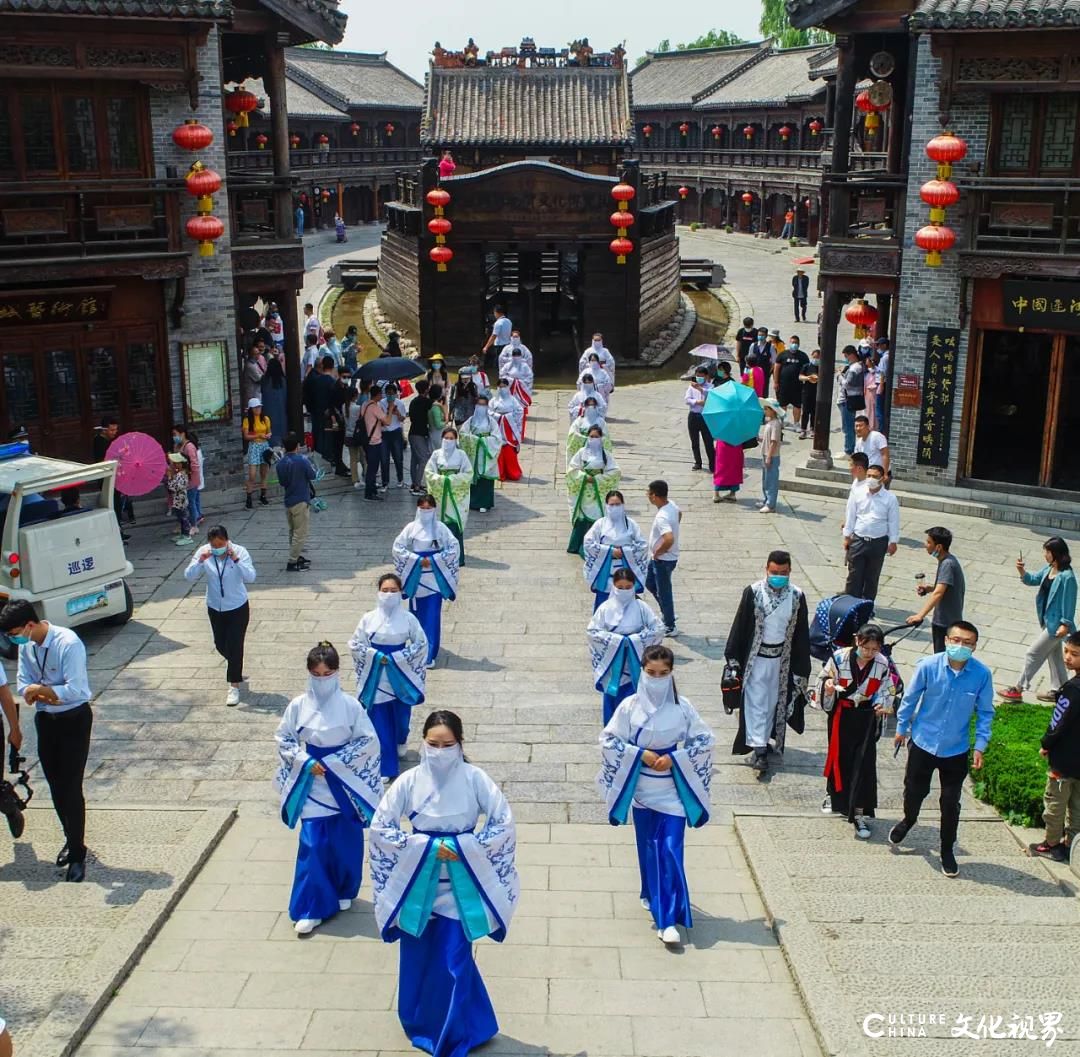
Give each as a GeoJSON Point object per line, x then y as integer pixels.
{"type": "Point", "coordinates": [254, 201]}
{"type": "Point", "coordinates": [308, 159]}
{"type": "Point", "coordinates": [1021, 215]}
{"type": "Point", "coordinates": [755, 158]}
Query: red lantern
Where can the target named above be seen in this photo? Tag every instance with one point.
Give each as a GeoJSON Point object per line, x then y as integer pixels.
{"type": "Point", "coordinates": [326, 196]}
{"type": "Point", "coordinates": [204, 229]}
{"type": "Point", "coordinates": [240, 102]}
{"type": "Point", "coordinates": [621, 220]}
{"type": "Point", "coordinates": [201, 183]}
{"type": "Point", "coordinates": [439, 227]}
{"type": "Point", "coordinates": [354, 128]}
{"type": "Point", "coordinates": [390, 130]}
{"type": "Point", "coordinates": [294, 141]}
{"type": "Point", "coordinates": [862, 316]}
{"type": "Point", "coordinates": [935, 239]}
{"type": "Point", "coordinates": [946, 149]}
{"type": "Point", "coordinates": [815, 127]}
{"type": "Point", "coordinates": [748, 132]}
{"type": "Point", "coordinates": [684, 128]}
{"type": "Point", "coordinates": [324, 140]}
{"type": "Point", "coordinates": [939, 194]}
{"type": "Point", "coordinates": [871, 110]}
{"type": "Point", "coordinates": [192, 135]}
{"type": "Point", "coordinates": [716, 131]}
{"type": "Point", "coordinates": [647, 131]}
{"type": "Point", "coordinates": [261, 140]}
{"type": "Point", "coordinates": [622, 193]}
{"type": "Point", "coordinates": [785, 133]}
{"type": "Point", "coordinates": [441, 255]}
{"type": "Point", "coordinates": [438, 199]}
{"type": "Point", "coordinates": [684, 191]}
{"type": "Point", "coordinates": [232, 126]}
{"type": "Point", "coordinates": [621, 248]}
{"type": "Point", "coordinates": [747, 198]}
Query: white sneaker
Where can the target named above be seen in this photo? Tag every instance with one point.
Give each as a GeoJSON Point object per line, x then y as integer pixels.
{"type": "Point", "coordinates": [826, 806]}
{"type": "Point", "coordinates": [483, 510]}
{"type": "Point", "coordinates": [305, 926]}
{"type": "Point", "coordinates": [344, 904]}
{"type": "Point", "coordinates": [670, 935]}
{"type": "Point", "coordinates": [401, 484]}
{"type": "Point", "coordinates": [359, 486]}
{"type": "Point", "coordinates": [430, 665]}
{"type": "Point", "coordinates": [402, 752]}
{"type": "Point", "coordinates": [233, 696]}
{"type": "Point", "coordinates": [765, 509]}
{"type": "Point", "coordinates": [862, 828]}
{"type": "Point", "coordinates": [645, 905]}
{"type": "Point", "coordinates": [672, 633]}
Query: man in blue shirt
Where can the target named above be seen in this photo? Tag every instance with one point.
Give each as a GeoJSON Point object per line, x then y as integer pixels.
{"type": "Point", "coordinates": [53, 680]}
{"type": "Point", "coordinates": [946, 691]}
{"type": "Point", "coordinates": [499, 337]}
{"type": "Point", "coordinates": [295, 475]}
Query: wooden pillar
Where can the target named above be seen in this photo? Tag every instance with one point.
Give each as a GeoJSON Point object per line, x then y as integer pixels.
{"type": "Point", "coordinates": [341, 199]}
{"type": "Point", "coordinates": [884, 328]}
{"type": "Point", "coordinates": [290, 319]}
{"type": "Point", "coordinates": [845, 100]}
{"type": "Point", "coordinates": [761, 213]}
{"type": "Point", "coordinates": [375, 199]}
{"type": "Point", "coordinates": [701, 193]}
{"type": "Point", "coordinates": [279, 137]}
{"type": "Point", "coordinates": [821, 455]}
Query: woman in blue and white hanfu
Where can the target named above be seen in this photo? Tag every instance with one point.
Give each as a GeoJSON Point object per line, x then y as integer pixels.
{"type": "Point", "coordinates": [614, 542]}
{"type": "Point", "coordinates": [389, 650]}
{"type": "Point", "coordinates": [443, 886]}
{"type": "Point", "coordinates": [329, 783]}
{"type": "Point", "coordinates": [426, 559]}
{"type": "Point", "coordinates": [668, 786]}
{"type": "Point", "coordinates": [619, 633]}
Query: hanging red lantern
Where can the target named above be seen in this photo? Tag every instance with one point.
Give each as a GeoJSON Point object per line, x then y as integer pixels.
{"type": "Point", "coordinates": [862, 316]}
{"type": "Point", "coordinates": [647, 131]}
{"type": "Point", "coordinates": [622, 192]}
{"type": "Point", "coordinates": [935, 239]}
{"type": "Point", "coordinates": [748, 132]}
{"type": "Point", "coordinates": [939, 194]}
{"type": "Point", "coordinates": [192, 135]}
{"type": "Point", "coordinates": [785, 133]}
{"type": "Point", "coordinates": [232, 126]}
{"type": "Point", "coordinates": [747, 198]}
{"type": "Point", "coordinates": [441, 255]}
{"type": "Point", "coordinates": [946, 149]}
{"type": "Point", "coordinates": [354, 128]}
{"type": "Point", "coordinates": [294, 141]}
{"type": "Point", "coordinates": [201, 183]}
{"type": "Point", "coordinates": [326, 196]}
{"type": "Point", "coordinates": [621, 220]}
{"type": "Point", "coordinates": [204, 229]}
{"type": "Point", "coordinates": [439, 227]}
{"type": "Point", "coordinates": [389, 128]}
{"type": "Point", "coordinates": [324, 140]}
{"type": "Point", "coordinates": [684, 128]}
{"type": "Point", "coordinates": [240, 103]}
{"type": "Point", "coordinates": [684, 191]}
{"type": "Point", "coordinates": [871, 122]}
{"type": "Point", "coordinates": [717, 131]}
{"type": "Point", "coordinates": [261, 141]}
{"type": "Point", "coordinates": [815, 127]}
{"type": "Point", "coordinates": [438, 199]}
{"type": "Point", "coordinates": [621, 248]}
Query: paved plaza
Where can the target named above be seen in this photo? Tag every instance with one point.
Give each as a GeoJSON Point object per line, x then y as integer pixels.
{"type": "Point", "coordinates": [800, 931]}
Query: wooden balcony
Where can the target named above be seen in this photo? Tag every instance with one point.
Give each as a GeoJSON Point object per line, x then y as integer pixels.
{"type": "Point", "coordinates": [780, 159]}
{"type": "Point", "coordinates": [334, 163]}
{"type": "Point", "coordinates": [869, 243]}
{"type": "Point", "coordinates": [261, 226]}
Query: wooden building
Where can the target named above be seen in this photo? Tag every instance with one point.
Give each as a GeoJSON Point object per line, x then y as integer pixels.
{"type": "Point", "coordinates": [540, 139]}
{"type": "Point", "coordinates": [106, 307]}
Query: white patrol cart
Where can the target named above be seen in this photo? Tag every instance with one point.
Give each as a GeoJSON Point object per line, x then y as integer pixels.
{"type": "Point", "coordinates": [60, 548]}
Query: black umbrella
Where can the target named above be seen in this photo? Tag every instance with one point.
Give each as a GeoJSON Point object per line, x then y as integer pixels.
{"type": "Point", "coordinates": [390, 369]}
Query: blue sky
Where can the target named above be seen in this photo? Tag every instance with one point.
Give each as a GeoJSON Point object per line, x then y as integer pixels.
{"type": "Point", "coordinates": [408, 31]}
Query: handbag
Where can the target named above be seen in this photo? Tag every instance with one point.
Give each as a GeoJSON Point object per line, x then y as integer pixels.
{"type": "Point", "coordinates": [855, 403]}
{"type": "Point", "coordinates": [749, 445]}
{"type": "Point", "coordinates": [731, 686]}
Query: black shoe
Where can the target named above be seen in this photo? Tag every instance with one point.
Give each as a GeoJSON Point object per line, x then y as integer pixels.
{"type": "Point", "coordinates": [303, 563]}
{"type": "Point", "coordinates": [948, 863]}
{"type": "Point", "coordinates": [64, 856]}
{"type": "Point", "coordinates": [76, 871]}
{"type": "Point", "coordinates": [292, 567]}
{"type": "Point", "coordinates": [247, 502]}
{"type": "Point", "coordinates": [124, 537]}
{"type": "Point", "coordinates": [263, 501]}
{"type": "Point", "coordinates": [342, 473]}
{"type": "Point", "coordinates": [898, 832]}
{"type": "Point", "coordinates": [759, 761]}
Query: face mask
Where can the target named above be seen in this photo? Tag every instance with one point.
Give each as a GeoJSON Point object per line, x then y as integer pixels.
{"type": "Point", "coordinates": [762, 338]}
{"type": "Point", "coordinates": [481, 412]}
{"type": "Point", "coordinates": [958, 653]}
{"type": "Point", "coordinates": [219, 552]}
{"type": "Point", "coordinates": [592, 415]}
{"type": "Point", "coordinates": [815, 359]}
{"type": "Point", "coordinates": [656, 689]}
{"type": "Point", "coordinates": [594, 361]}
{"type": "Point", "coordinates": [616, 512]}
{"type": "Point", "coordinates": [794, 346]}
{"type": "Point", "coordinates": [776, 582]}
{"type": "Point", "coordinates": [596, 445]}
{"type": "Point", "coordinates": [504, 389]}
{"type": "Point", "coordinates": [426, 517]}
{"type": "Point", "coordinates": [623, 594]}
{"type": "Point", "coordinates": [516, 342]}
{"type": "Point", "coordinates": [323, 687]}
{"type": "Point", "coordinates": [589, 388]}
{"type": "Point", "coordinates": [440, 761]}
{"type": "Point", "coordinates": [699, 380]}
{"type": "Point", "coordinates": [865, 654]}
{"type": "Point", "coordinates": [176, 439]}
{"type": "Point", "coordinates": [389, 601]}
{"type": "Point", "coordinates": [449, 446]}
{"type": "Point", "coordinates": [19, 640]}
{"type": "Point", "coordinates": [598, 345]}
{"type": "Point", "coordinates": [874, 484]}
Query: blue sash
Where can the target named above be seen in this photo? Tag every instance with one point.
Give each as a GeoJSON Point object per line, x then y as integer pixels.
{"type": "Point", "coordinates": [412, 581]}
{"type": "Point", "coordinates": [403, 690]}
{"type": "Point", "coordinates": [348, 804]}
{"type": "Point", "coordinates": [417, 907]}
{"type": "Point", "coordinates": [625, 661]}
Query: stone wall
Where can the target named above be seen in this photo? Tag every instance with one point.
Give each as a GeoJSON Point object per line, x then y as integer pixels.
{"type": "Point", "coordinates": [209, 311]}
{"type": "Point", "coordinates": [931, 296]}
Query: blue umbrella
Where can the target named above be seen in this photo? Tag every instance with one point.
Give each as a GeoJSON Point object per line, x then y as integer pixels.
{"type": "Point", "coordinates": [732, 413]}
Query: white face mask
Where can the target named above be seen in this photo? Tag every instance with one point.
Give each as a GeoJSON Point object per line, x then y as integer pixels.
{"type": "Point", "coordinates": [440, 761]}
{"type": "Point", "coordinates": [588, 388]}
{"type": "Point", "coordinates": [449, 446]}
{"type": "Point", "coordinates": [596, 445]}
{"type": "Point", "coordinates": [516, 342]}
{"type": "Point", "coordinates": [389, 601]}
{"type": "Point", "coordinates": [598, 345]}
{"type": "Point", "coordinates": [323, 687]}
{"type": "Point", "coordinates": [656, 689]}
{"type": "Point", "coordinates": [616, 513]}
{"type": "Point", "coordinates": [426, 518]}
{"type": "Point", "coordinates": [873, 484]}
{"type": "Point", "coordinates": [481, 413]}
{"type": "Point", "coordinates": [625, 595]}
{"type": "Point", "coordinates": [503, 390]}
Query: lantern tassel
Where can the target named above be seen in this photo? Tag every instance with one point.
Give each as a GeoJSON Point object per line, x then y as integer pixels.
{"type": "Point", "coordinates": [621, 259]}
{"type": "Point", "coordinates": [933, 259]}
{"type": "Point", "coordinates": [242, 120]}
{"type": "Point", "coordinates": [441, 267]}
{"type": "Point", "coordinates": [206, 249]}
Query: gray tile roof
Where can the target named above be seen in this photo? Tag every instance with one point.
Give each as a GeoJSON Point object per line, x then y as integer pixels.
{"type": "Point", "coordinates": [299, 101]}
{"type": "Point", "coordinates": [567, 106]}
{"type": "Point", "coordinates": [673, 78]}
{"type": "Point", "coordinates": [780, 77]}
{"type": "Point", "coordinates": [195, 9]}
{"type": "Point", "coordinates": [321, 19]}
{"type": "Point", "coordinates": [995, 14]}
{"type": "Point", "coordinates": [347, 79]}
{"type": "Point", "coordinates": [805, 13]}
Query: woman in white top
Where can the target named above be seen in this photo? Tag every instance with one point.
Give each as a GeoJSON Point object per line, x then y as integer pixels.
{"type": "Point", "coordinates": [329, 783]}
{"type": "Point", "coordinates": [579, 428]}
{"type": "Point", "coordinates": [520, 376]}
{"type": "Point", "coordinates": [448, 477]}
{"type": "Point", "coordinates": [607, 361]}
{"type": "Point", "coordinates": [590, 475]}
{"type": "Point", "coordinates": [586, 389]}
{"type": "Point", "coordinates": [389, 652]}
{"type": "Point", "coordinates": [657, 758]}
{"type": "Point", "coordinates": [515, 345]}
{"type": "Point", "coordinates": [604, 384]}
{"type": "Point", "coordinates": [482, 439]}
{"type": "Point", "coordinates": [357, 452]}
{"type": "Point", "coordinates": [440, 886]}
{"type": "Point", "coordinates": [614, 542]}
{"type": "Point", "coordinates": [619, 632]}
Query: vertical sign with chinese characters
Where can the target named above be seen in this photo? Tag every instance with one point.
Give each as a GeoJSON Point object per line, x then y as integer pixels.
{"type": "Point", "coordinates": [939, 395]}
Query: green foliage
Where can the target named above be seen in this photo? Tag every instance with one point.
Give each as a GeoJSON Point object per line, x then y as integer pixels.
{"type": "Point", "coordinates": [713, 39]}
{"type": "Point", "coordinates": [774, 23]}
{"type": "Point", "coordinates": [1013, 775]}
{"type": "Point", "coordinates": [317, 45]}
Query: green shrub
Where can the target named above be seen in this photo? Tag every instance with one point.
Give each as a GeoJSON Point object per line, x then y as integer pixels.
{"type": "Point", "coordinates": [1013, 775]}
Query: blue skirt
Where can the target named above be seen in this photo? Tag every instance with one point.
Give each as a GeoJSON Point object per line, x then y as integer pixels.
{"type": "Point", "coordinates": [611, 703]}
{"type": "Point", "coordinates": [442, 1002]}
{"type": "Point", "coordinates": [428, 610]}
{"type": "Point", "coordinates": [599, 598]}
{"type": "Point", "coordinates": [660, 860]}
{"type": "Point", "coordinates": [391, 722]}
{"type": "Point", "coordinates": [329, 865]}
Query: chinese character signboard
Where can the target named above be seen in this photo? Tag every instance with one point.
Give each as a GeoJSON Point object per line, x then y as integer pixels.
{"type": "Point", "coordinates": [939, 395]}
{"type": "Point", "coordinates": [1044, 306]}
{"type": "Point", "coordinates": [906, 391]}
{"type": "Point", "coordinates": [206, 381]}
{"type": "Point", "coordinates": [73, 305]}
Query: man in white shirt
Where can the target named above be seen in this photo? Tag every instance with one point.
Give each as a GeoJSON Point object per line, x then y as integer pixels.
{"type": "Point", "coordinates": [499, 337]}
{"type": "Point", "coordinates": [859, 465]}
{"type": "Point", "coordinates": [871, 530]}
{"type": "Point", "coordinates": [694, 399]}
{"type": "Point", "coordinates": [872, 444]}
{"type": "Point", "coordinates": [663, 553]}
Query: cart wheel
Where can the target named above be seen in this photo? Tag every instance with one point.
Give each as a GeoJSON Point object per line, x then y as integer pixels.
{"type": "Point", "coordinates": [119, 619]}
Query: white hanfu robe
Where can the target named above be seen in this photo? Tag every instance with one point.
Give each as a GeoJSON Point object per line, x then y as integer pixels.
{"type": "Point", "coordinates": [577, 401]}
{"type": "Point", "coordinates": [508, 352]}
{"type": "Point", "coordinates": [607, 361]}
{"type": "Point", "coordinates": [579, 431]}
{"type": "Point", "coordinates": [601, 379]}
{"type": "Point", "coordinates": [448, 479]}
{"type": "Point", "coordinates": [426, 538]}
{"type": "Point", "coordinates": [602, 540]}
{"type": "Point", "coordinates": [761, 688]}
{"type": "Point", "coordinates": [390, 656]}
{"type": "Point", "coordinates": [618, 636]}
{"type": "Point", "coordinates": [589, 478]}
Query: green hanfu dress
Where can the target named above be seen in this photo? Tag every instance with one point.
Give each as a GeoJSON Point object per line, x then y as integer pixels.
{"type": "Point", "coordinates": [590, 475]}
{"type": "Point", "coordinates": [481, 439]}
{"type": "Point", "coordinates": [448, 477]}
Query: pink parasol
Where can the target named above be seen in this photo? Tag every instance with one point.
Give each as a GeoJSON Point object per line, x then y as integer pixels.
{"type": "Point", "coordinates": [141, 463]}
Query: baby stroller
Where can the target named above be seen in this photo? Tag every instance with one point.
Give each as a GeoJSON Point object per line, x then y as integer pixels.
{"type": "Point", "coordinates": [835, 622]}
